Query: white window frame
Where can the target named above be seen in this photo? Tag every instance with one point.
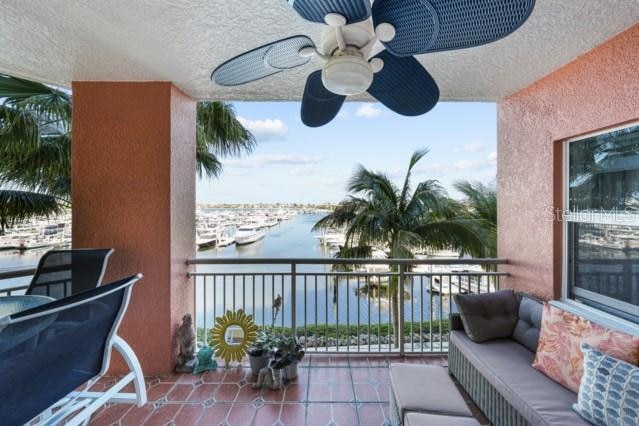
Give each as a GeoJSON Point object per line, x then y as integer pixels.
{"type": "Point", "coordinates": [629, 219]}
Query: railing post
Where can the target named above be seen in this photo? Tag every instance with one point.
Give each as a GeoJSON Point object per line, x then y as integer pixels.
{"type": "Point", "coordinates": [294, 299]}
{"type": "Point", "coordinates": [400, 314]}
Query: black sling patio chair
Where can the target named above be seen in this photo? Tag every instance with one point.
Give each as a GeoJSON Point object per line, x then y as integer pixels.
{"type": "Point", "coordinates": [62, 273]}
{"type": "Point", "coordinates": [52, 354]}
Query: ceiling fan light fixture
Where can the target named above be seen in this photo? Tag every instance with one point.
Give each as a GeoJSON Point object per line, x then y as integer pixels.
{"type": "Point", "coordinates": [347, 75]}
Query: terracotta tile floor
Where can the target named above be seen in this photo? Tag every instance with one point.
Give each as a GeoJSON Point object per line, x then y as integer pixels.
{"type": "Point", "coordinates": [330, 390]}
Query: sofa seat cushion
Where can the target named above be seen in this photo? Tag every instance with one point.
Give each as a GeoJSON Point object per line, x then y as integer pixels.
{"type": "Point", "coordinates": [426, 388]}
{"type": "Point", "coordinates": [507, 366]}
{"type": "Point", "coordinates": [424, 419]}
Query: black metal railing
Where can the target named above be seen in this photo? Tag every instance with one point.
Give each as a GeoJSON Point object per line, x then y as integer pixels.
{"type": "Point", "coordinates": [343, 305]}
{"type": "Point", "coordinates": [11, 276]}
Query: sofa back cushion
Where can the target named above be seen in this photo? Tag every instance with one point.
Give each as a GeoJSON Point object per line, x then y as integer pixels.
{"type": "Point", "coordinates": [559, 355]}
{"type": "Point", "coordinates": [529, 323]}
{"type": "Point", "coordinates": [488, 316]}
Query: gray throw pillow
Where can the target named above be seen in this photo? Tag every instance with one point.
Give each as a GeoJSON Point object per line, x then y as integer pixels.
{"type": "Point", "coordinates": [488, 316]}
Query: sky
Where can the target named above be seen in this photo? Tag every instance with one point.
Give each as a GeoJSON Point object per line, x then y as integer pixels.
{"type": "Point", "coordinates": [297, 164]}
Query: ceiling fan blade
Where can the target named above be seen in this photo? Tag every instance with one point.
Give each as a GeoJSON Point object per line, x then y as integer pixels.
{"type": "Point", "coordinates": [315, 10]}
{"type": "Point", "coordinates": [319, 105]}
{"type": "Point", "coordinates": [263, 61]}
{"type": "Point", "coordinates": [404, 86]}
{"type": "Point", "coordinates": [423, 26]}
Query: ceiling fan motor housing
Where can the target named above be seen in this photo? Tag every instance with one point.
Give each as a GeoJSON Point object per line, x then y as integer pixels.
{"type": "Point", "coordinates": [347, 74]}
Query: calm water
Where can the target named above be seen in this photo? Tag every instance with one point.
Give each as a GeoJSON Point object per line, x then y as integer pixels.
{"type": "Point", "coordinates": [319, 298]}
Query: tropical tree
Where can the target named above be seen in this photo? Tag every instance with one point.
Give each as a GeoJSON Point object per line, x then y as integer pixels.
{"type": "Point", "coordinates": [377, 213]}
{"type": "Point", "coordinates": [481, 206]}
{"type": "Point", "coordinates": [35, 146]}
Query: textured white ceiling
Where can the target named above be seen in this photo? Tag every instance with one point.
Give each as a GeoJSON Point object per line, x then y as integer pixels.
{"type": "Point", "coordinates": [57, 41]}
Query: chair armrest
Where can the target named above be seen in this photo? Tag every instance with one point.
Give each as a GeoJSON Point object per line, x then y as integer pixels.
{"type": "Point", "coordinates": [456, 322]}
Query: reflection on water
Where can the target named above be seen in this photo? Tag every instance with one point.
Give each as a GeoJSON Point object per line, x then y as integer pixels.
{"type": "Point", "coordinates": [604, 259]}
{"type": "Point", "coordinates": [319, 299]}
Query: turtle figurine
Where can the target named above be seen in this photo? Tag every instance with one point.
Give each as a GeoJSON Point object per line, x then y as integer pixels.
{"type": "Point", "coordinates": [205, 361]}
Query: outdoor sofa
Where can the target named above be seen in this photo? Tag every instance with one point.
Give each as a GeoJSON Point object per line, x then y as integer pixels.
{"type": "Point", "coordinates": [498, 374]}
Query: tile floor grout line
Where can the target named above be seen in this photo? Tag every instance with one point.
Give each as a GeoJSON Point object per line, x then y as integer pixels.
{"type": "Point", "coordinates": [355, 399]}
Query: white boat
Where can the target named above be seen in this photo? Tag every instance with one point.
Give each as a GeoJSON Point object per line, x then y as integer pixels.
{"type": "Point", "coordinates": [332, 239]}
{"type": "Point", "coordinates": [225, 241]}
{"type": "Point", "coordinates": [247, 234]}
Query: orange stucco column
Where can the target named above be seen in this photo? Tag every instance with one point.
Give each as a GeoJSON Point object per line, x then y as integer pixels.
{"type": "Point", "coordinates": [133, 189]}
{"type": "Point", "coordinates": [596, 91]}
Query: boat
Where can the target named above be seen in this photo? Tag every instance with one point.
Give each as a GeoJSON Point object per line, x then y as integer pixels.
{"type": "Point", "coordinates": [247, 234]}
{"type": "Point", "coordinates": [206, 242]}
{"type": "Point", "coordinates": [225, 241]}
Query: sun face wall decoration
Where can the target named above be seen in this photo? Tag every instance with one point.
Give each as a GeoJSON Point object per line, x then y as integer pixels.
{"type": "Point", "coordinates": [230, 324]}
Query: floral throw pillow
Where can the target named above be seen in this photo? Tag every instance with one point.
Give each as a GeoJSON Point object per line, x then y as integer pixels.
{"type": "Point", "coordinates": [559, 354]}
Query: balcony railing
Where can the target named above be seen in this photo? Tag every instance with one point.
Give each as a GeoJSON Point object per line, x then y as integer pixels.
{"type": "Point", "coordinates": [343, 305]}
{"type": "Point", "coordinates": [339, 305]}
{"type": "Point", "coordinates": [14, 281]}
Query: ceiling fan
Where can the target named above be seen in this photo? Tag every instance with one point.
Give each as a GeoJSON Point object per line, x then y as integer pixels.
{"type": "Point", "coordinates": [355, 62]}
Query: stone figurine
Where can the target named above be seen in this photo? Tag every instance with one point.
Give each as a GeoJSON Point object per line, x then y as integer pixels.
{"type": "Point", "coordinates": [269, 377]}
{"type": "Point", "coordinates": [186, 340]}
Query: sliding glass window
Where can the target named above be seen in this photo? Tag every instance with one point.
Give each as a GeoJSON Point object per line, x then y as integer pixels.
{"type": "Point", "coordinates": [602, 224]}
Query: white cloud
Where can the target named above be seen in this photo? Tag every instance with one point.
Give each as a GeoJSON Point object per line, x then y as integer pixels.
{"type": "Point", "coordinates": [266, 129]}
{"type": "Point", "coordinates": [368, 111]}
{"type": "Point", "coordinates": [492, 156]}
{"type": "Point", "coordinates": [473, 147]}
{"type": "Point", "coordinates": [464, 164]}
{"type": "Point", "coordinates": [302, 171]}
{"type": "Point", "coordinates": [270, 159]}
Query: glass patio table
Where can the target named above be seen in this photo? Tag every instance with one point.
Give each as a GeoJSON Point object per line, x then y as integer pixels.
{"type": "Point", "coordinates": [10, 305]}
{"type": "Point", "coordinates": [16, 336]}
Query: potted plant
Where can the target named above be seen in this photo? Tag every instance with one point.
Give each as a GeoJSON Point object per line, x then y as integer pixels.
{"type": "Point", "coordinates": [259, 352]}
{"type": "Point", "coordinates": [288, 355]}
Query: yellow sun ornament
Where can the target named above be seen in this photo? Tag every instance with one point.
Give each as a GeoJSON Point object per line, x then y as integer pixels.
{"type": "Point", "coordinates": [224, 335]}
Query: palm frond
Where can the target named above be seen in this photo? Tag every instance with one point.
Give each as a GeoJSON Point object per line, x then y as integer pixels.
{"type": "Point", "coordinates": [373, 185]}
{"type": "Point", "coordinates": [17, 206]}
{"type": "Point", "coordinates": [221, 131]}
{"type": "Point", "coordinates": [414, 159]}
{"type": "Point", "coordinates": [481, 207]}
{"type": "Point", "coordinates": [19, 130]}
{"type": "Point", "coordinates": [46, 167]}
{"type": "Point", "coordinates": [51, 105]}
{"type": "Point", "coordinates": [341, 216]}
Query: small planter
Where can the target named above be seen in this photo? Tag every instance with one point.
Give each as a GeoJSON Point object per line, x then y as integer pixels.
{"type": "Point", "coordinates": [258, 362]}
{"type": "Point", "coordinates": [290, 372]}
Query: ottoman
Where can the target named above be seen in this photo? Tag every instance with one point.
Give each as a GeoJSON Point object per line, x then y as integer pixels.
{"type": "Point", "coordinates": [421, 419]}
{"type": "Point", "coordinates": [425, 389]}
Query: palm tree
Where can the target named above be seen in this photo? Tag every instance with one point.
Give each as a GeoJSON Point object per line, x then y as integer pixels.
{"type": "Point", "coordinates": [481, 206]}
{"type": "Point", "coordinates": [35, 146]}
{"type": "Point", "coordinates": [377, 213]}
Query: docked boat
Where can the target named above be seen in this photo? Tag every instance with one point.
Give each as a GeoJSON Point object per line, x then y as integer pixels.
{"type": "Point", "coordinates": [247, 234]}
{"type": "Point", "coordinates": [225, 241]}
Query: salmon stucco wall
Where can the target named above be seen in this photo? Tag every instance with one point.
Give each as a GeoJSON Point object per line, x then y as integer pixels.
{"type": "Point", "coordinates": [133, 189]}
{"type": "Point", "coordinates": [596, 91]}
